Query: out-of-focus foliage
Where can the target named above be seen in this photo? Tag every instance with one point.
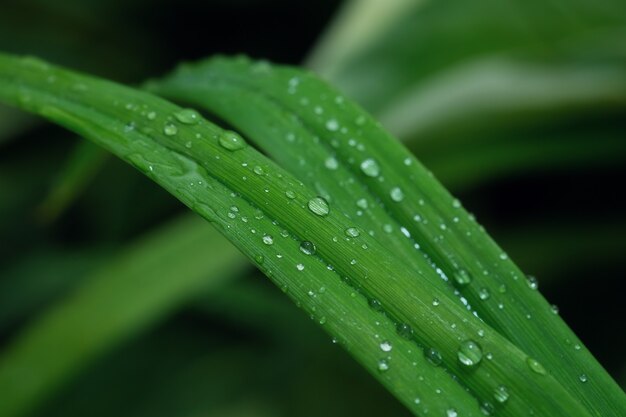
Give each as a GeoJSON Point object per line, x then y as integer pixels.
{"type": "Point", "coordinates": [518, 106]}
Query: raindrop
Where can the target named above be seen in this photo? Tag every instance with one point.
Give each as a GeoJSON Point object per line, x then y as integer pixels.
{"type": "Point", "coordinates": [187, 116]}
{"type": "Point", "coordinates": [386, 346]}
{"type": "Point", "coordinates": [370, 168]}
{"type": "Point", "coordinates": [535, 366]}
{"type": "Point", "coordinates": [308, 248]}
{"type": "Point", "coordinates": [331, 163]}
{"type": "Point", "coordinates": [433, 356]}
{"type": "Point", "coordinates": [504, 256]}
{"type": "Point", "coordinates": [404, 330]}
{"type": "Point", "coordinates": [290, 194]}
{"type": "Point", "coordinates": [583, 378]}
{"type": "Point", "coordinates": [501, 394]}
{"type": "Point", "coordinates": [451, 412]}
{"type": "Point", "coordinates": [352, 232]}
{"type": "Point", "coordinates": [397, 194]}
{"type": "Point", "coordinates": [383, 365]}
{"type": "Point", "coordinates": [484, 294]}
{"type": "Point", "coordinates": [170, 129]}
{"type": "Point", "coordinates": [436, 301]}
{"type": "Point", "coordinates": [300, 267]}
{"type": "Point", "coordinates": [258, 170]}
{"type": "Point", "coordinates": [319, 206]}
{"type": "Point", "coordinates": [470, 353]}
{"type": "Point", "coordinates": [332, 125]}
{"type": "Point", "coordinates": [268, 240]}
{"type": "Point", "coordinates": [532, 282]}
{"type": "Point", "coordinates": [362, 203]}
{"type": "Point", "coordinates": [231, 141]}
{"type": "Point", "coordinates": [462, 277]}
{"type": "Point", "coordinates": [151, 115]}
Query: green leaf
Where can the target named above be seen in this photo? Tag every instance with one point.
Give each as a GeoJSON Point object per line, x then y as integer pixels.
{"type": "Point", "coordinates": [408, 200]}
{"type": "Point", "coordinates": [353, 285]}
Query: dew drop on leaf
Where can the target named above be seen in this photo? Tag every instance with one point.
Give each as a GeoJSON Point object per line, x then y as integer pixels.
{"type": "Point", "coordinates": [451, 412]}
{"type": "Point", "coordinates": [383, 365]}
{"type": "Point", "coordinates": [170, 129]}
{"type": "Point", "coordinates": [396, 194]}
{"type": "Point", "coordinates": [300, 267]}
{"type": "Point", "coordinates": [386, 346]}
{"type": "Point", "coordinates": [332, 125]}
{"type": "Point", "coordinates": [290, 194]}
{"type": "Point", "coordinates": [501, 394]}
{"type": "Point", "coordinates": [535, 366]}
{"type": "Point", "coordinates": [433, 356]}
{"type": "Point", "coordinates": [469, 353]}
{"type": "Point", "coordinates": [352, 232]}
{"type": "Point", "coordinates": [308, 248]}
{"type": "Point", "coordinates": [484, 294]}
{"type": "Point", "coordinates": [370, 168]}
{"type": "Point", "coordinates": [187, 116]}
{"type": "Point", "coordinates": [319, 206]}
{"type": "Point", "coordinates": [231, 141]}
{"type": "Point", "coordinates": [462, 277]}
{"type": "Point", "coordinates": [268, 240]}
{"type": "Point", "coordinates": [582, 378]}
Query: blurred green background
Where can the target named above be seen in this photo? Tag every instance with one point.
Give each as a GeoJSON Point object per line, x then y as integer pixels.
{"type": "Point", "coordinates": [115, 301]}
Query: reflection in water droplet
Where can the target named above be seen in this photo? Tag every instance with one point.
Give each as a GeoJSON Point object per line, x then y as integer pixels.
{"type": "Point", "coordinates": [370, 168]}
{"type": "Point", "coordinates": [308, 248]}
{"type": "Point", "coordinates": [231, 141]}
{"type": "Point", "coordinates": [535, 366]}
{"type": "Point", "coordinates": [319, 206]}
{"type": "Point", "coordinates": [170, 130]}
{"type": "Point", "coordinates": [396, 194]}
{"type": "Point", "coordinates": [470, 353]}
{"type": "Point", "coordinates": [187, 116]}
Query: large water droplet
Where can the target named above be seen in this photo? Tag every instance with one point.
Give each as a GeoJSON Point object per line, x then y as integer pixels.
{"type": "Point", "coordinates": [319, 206]}
{"type": "Point", "coordinates": [231, 141]}
{"type": "Point", "coordinates": [383, 365]}
{"type": "Point", "coordinates": [433, 356]}
{"type": "Point", "coordinates": [386, 346]}
{"type": "Point", "coordinates": [370, 168]}
{"type": "Point", "coordinates": [535, 366]}
{"type": "Point", "coordinates": [268, 240]}
{"type": "Point", "coordinates": [308, 248]}
{"type": "Point", "coordinates": [451, 412]}
{"type": "Point", "coordinates": [470, 353]}
{"type": "Point", "coordinates": [462, 277]}
{"type": "Point", "coordinates": [170, 129]}
{"type": "Point", "coordinates": [501, 394]}
{"type": "Point", "coordinates": [187, 116]}
{"type": "Point", "coordinates": [396, 194]}
{"type": "Point", "coordinates": [352, 232]}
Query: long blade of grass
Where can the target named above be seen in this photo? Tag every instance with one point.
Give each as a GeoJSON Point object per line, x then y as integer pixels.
{"type": "Point", "coordinates": [251, 200]}
{"type": "Point", "coordinates": [147, 281]}
{"type": "Point", "coordinates": [287, 111]}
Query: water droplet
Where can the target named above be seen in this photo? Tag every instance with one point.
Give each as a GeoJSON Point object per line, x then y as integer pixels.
{"type": "Point", "coordinates": [383, 365]}
{"type": "Point", "coordinates": [501, 394]}
{"type": "Point", "coordinates": [386, 346]}
{"type": "Point", "coordinates": [362, 203]}
{"type": "Point", "coordinates": [535, 366]}
{"type": "Point", "coordinates": [322, 320]}
{"type": "Point", "coordinates": [308, 248]}
{"type": "Point", "coordinates": [268, 240]}
{"type": "Point", "coordinates": [331, 163]}
{"type": "Point", "coordinates": [469, 353]}
{"type": "Point", "coordinates": [370, 168]}
{"type": "Point", "coordinates": [583, 378]}
{"type": "Point", "coordinates": [502, 288]}
{"type": "Point", "coordinates": [352, 232]}
{"type": "Point", "coordinates": [151, 115]}
{"type": "Point", "coordinates": [170, 130]}
{"type": "Point", "coordinates": [462, 277]}
{"type": "Point", "coordinates": [300, 267]}
{"type": "Point", "coordinates": [487, 408]}
{"type": "Point", "coordinates": [319, 206]}
{"type": "Point", "coordinates": [532, 282]}
{"type": "Point", "coordinates": [258, 170]}
{"type": "Point", "coordinates": [484, 294]}
{"type": "Point", "coordinates": [433, 356]}
{"type": "Point", "coordinates": [332, 125]}
{"type": "Point", "coordinates": [187, 116]}
{"type": "Point", "coordinates": [290, 194]}
{"type": "Point", "coordinates": [451, 412]}
{"type": "Point", "coordinates": [360, 121]}
{"type": "Point", "coordinates": [404, 330]}
{"type": "Point", "coordinates": [554, 308]}
{"type": "Point", "coordinates": [503, 256]}
{"type": "Point", "coordinates": [436, 301]}
{"type": "Point", "coordinates": [231, 141]}
{"type": "Point", "coordinates": [396, 194]}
